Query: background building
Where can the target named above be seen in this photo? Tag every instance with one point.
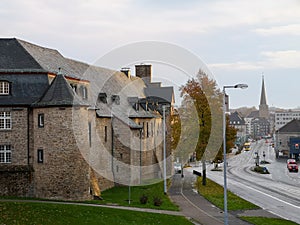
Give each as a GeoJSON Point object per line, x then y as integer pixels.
{"type": "Point", "coordinates": [283, 135]}
{"type": "Point", "coordinates": [285, 116]}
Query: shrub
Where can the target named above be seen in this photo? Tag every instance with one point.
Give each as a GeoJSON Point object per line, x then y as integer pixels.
{"type": "Point", "coordinates": [157, 201]}
{"type": "Point", "coordinates": [262, 170]}
{"type": "Point", "coordinates": [143, 199]}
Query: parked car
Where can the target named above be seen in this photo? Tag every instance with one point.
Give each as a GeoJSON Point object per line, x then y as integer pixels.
{"type": "Point", "coordinates": [292, 165]}
{"type": "Point", "coordinates": [177, 167]}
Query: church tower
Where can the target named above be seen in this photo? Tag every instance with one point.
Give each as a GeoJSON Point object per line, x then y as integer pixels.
{"type": "Point", "coordinates": [263, 107]}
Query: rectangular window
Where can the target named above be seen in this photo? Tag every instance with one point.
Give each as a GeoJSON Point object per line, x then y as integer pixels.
{"type": "Point", "coordinates": [40, 156]}
{"type": "Point", "coordinates": [147, 129]}
{"type": "Point", "coordinates": [41, 120]}
{"type": "Point", "coordinates": [105, 133]}
{"type": "Point", "coordinates": [5, 154]}
{"type": "Point", "coordinates": [4, 88]}
{"type": "Point", "coordinates": [5, 120]}
{"type": "Point", "coordinates": [84, 93]}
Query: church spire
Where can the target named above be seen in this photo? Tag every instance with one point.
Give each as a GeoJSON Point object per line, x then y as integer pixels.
{"type": "Point", "coordinates": [263, 100]}
{"type": "Point", "coordinates": [263, 107]}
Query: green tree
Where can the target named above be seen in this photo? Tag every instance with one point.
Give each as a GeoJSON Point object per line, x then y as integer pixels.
{"type": "Point", "coordinates": [203, 96]}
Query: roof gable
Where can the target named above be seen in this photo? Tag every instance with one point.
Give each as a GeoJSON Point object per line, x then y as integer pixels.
{"type": "Point", "coordinates": [13, 56]}
{"type": "Point", "coordinates": [165, 93]}
{"type": "Point", "coordinates": [253, 114]}
{"type": "Point", "coordinates": [59, 93]}
{"type": "Point", "coordinates": [291, 127]}
{"type": "Point", "coordinates": [236, 119]}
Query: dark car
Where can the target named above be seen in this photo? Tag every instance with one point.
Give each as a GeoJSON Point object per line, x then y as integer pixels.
{"type": "Point", "coordinates": [292, 165]}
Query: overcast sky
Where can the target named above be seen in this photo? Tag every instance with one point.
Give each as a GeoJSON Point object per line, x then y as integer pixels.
{"type": "Point", "coordinates": [237, 40]}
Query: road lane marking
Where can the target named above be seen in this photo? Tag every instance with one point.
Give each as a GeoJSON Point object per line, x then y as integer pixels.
{"type": "Point", "coordinates": [278, 199]}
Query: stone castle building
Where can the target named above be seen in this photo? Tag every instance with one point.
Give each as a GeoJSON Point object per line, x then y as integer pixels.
{"type": "Point", "coordinates": [69, 129]}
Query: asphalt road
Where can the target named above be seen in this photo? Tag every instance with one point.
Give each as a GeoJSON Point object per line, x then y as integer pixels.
{"type": "Point", "coordinates": [277, 192]}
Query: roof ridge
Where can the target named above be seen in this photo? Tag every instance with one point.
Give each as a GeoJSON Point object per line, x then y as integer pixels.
{"type": "Point", "coordinates": [39, 46]}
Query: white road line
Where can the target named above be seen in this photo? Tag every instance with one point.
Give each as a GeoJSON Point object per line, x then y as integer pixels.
{"type": "Point", "coordinates": [278, 199]}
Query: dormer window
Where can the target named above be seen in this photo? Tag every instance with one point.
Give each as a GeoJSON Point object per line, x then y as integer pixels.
{"type": "Point", "coordinates": [134, 102]}
{"type": "Point", "coordinates": [84, 92]}
{"type": "Point", "coordinates": [116, 99]}
{"type": "Point", "coordinates": [4, 88]}
{"type": "Point", "coordinates": [74, 87]}
{"type": "Point", "coordinates": [102, 97]}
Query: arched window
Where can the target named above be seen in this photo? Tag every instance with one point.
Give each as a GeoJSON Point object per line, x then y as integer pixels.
{"type": "Point", "coordinates": [4, 88]}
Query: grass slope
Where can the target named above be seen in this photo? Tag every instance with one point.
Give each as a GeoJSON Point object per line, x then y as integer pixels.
{"type": "Point", "coordinates": [214, 193]}
{"type": "Point", "coordinates": [120, 196]}
{"type": "Point", "coordinates": [45, 213]}
{"type": "Point", "coordinates": [268, 221]}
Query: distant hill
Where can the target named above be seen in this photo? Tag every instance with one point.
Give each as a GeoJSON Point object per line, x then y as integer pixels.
{"type": "Point", "coordinates": [244, 111]}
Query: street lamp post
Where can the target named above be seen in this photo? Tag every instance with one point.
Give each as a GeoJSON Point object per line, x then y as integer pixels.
{"type": "Point", "coordinates": [164, 155]}
{"type": "Point", "coordinates": [242, 86]}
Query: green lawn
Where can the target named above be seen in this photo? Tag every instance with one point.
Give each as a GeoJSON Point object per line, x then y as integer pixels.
{"type": "Point", "coordinates": [214, 193]}
{"type": "Point", "coordinates": [51, 213]}
{"type": "Point", "coordinates": [119, 195]}
{"type": "Point", "coordinates": [268, 221]}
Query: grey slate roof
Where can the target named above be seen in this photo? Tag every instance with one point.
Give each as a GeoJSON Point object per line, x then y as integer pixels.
{"type": "Point", "coordinates": [22, 56]}
{"type": "Point", "coordinates": [59, 93]}
{"type": "Point", "coordinates": [13, 56]}
{"type": "Point", "coordinates": [25, 89]}
{"type": "Point", "coordinates": [291, 127]}
{"type": "Point", "coordinates": [164, 93]}
{"type": "Point", "coordinates": [236, 119]}
{"type": "Point", "coordinates": [51, 60]}
{"type": "Point", "coordinates": [253, 114]}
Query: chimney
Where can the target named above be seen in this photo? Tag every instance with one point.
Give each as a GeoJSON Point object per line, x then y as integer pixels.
{"type": "Point", "coordinates": [144, 71]}
{"type": "Point", "coordinates": [126, 71]}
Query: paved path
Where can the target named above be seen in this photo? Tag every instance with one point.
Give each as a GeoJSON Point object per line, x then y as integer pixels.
{"type": "Point", "coordinates": [167, 212]}
{"type": "Point", "coordinates": [194, 206]}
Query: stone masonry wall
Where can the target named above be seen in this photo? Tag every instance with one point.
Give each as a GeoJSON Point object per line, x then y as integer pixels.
{"type": "Point", "coordinates": [16, 180]}
{"type": "Point", "coordinates": [17, 136]}
{"type": "Point", "coordinates": [64, 173]}
{"type": "Point", "coordinates": [103, 143]}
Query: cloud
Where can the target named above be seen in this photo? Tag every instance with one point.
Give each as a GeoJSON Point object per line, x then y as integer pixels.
{"type": "Point", "coordinates": [282, 59]}
{"type": "Point", "coordinates": [270, 60]}
{"type": "Point", "coordinates": [235, 66]}
{"type": "Point", "coordinates": [291, 29]}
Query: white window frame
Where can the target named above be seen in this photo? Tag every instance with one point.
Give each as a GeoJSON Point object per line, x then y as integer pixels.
{"type": "Point", "coordinates": [5, 120]}
{"type": "Point", "coordinates": [41, 120]}
{"type": "Point", "coordinates": [84, 92]}
{"type": "Point", "coordinates": [5, 154]}
{"type": "Point", "coordinates": [4, 88]}
{"type": "Point", "coordinates": [40, 155]}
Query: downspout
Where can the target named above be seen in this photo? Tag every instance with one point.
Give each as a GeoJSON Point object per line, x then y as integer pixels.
{"type": "Point", "coordinates": [28, 136]}
{"type": "Point", "coordinates": [140, 155]}
{"type": "Point", "coordinates": [112, 148]}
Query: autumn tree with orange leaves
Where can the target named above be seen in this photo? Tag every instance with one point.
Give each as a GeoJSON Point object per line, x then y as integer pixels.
{"type": "Point", "coordinates": [202, 95]}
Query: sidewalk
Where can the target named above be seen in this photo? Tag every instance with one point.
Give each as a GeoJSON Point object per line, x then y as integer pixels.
{"type": "Point", "coordinates": [198, 209]}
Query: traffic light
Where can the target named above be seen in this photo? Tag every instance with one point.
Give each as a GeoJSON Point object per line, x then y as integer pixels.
{"type": "Point", "coordinates": [296, 146]}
